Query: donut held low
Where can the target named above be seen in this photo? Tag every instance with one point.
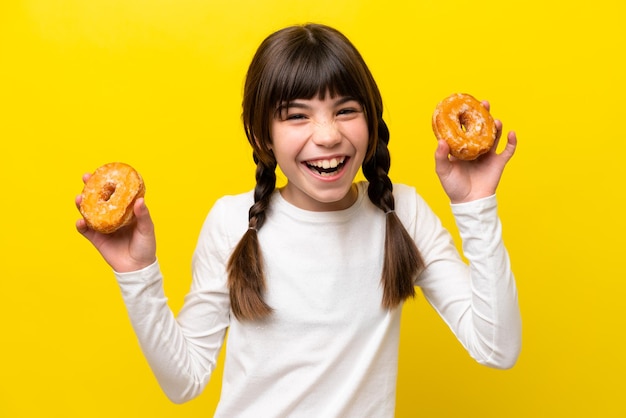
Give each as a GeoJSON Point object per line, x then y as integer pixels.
{"type": "Point", "coordinates": [109, 196]}
{"type": "Point", "coordinates": [465, 124]}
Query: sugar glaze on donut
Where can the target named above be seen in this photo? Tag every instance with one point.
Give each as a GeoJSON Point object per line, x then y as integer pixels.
{"type": "Point", "coordinates": [465, 124]}
{"type": "Point", "coordinates": [109, 195]}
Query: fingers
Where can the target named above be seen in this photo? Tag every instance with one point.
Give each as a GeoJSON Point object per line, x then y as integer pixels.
{"type": "Point", "coordinates": [496, 141]}
{"type": "Point", "coordinates": [511, 146]}
{"type": "Point", "coordinates": [140, 209]}
{"type": "Point", "coordinates": [81, 226]}
{"type": "Point", "coordinates": [498, 124]}
{"type": "Point", "coordinates": [442, 151]}
{"type": "Point", "coordinates": [442, 158]}
{"type": "Point", "coordinates": [86, 231]}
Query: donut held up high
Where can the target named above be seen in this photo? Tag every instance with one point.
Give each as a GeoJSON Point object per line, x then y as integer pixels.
{"type": "Point", "coordinates": [109, 195]}
{"type": "Point", "coordinates": [465, 124]}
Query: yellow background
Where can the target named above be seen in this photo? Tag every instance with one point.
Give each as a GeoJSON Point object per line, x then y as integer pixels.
{"type": "Point", "coordinates": [158, 84]}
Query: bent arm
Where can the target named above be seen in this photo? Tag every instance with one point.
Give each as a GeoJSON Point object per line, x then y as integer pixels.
{"type": "Point", "coordinates": [479, 302]}
{"type": "Point", "coordinates": [182, 352]}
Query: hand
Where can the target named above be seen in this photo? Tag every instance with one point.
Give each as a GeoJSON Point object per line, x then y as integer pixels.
{"type": "Point", "coordinates": [130, 248]}
{"type": "Point", "coordinates": [464, 181]}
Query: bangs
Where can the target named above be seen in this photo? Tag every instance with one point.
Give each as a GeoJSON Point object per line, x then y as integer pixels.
{"type": "Point", "coordinates": [315, 71]}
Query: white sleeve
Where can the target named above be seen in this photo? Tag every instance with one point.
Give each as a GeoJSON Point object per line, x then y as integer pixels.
{"type": "Point", "coordinates": [182, 351]}
{"type": "Point", "coordinates": [478, 302]}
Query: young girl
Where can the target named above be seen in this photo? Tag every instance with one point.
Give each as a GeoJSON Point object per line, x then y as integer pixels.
{"type": "Point", "coordinates": [309, 279]}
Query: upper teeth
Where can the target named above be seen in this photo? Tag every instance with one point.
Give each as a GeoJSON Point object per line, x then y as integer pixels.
{"type": "Point", "coordinates": [332, 163]}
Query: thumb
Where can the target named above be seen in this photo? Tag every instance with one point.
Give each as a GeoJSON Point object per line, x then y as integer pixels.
{"type": "Point", "coordinates": [144, 221]}
{"type": "Point", "coordinates": [442, 161]}
{"type": "Point", "coordinates": [510, 147]}
{"type": "Point", "coordinates": [143, 244]}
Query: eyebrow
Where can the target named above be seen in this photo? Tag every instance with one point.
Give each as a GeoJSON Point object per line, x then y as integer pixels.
{"type": "Point", "coordinates": [300, 105]}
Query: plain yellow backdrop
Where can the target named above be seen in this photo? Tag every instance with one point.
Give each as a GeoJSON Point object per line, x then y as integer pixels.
{"type": "Point", "coordinates": [158, 84]}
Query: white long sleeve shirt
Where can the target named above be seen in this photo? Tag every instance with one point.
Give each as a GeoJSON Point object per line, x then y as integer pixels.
{"type": "Point", "coordinates": [329, 349]}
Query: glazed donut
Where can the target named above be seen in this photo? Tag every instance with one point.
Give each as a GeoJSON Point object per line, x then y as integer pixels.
{"type": "Point", "coordinates": [465, 124]}
{"type": "Point", "coordinates": [109, 195]}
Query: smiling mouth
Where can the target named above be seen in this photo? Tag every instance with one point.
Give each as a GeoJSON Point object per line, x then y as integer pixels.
{"type": "Point", "coordinates": [326, 168]}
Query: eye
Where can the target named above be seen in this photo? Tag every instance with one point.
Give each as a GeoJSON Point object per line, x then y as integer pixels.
{"type": "Point", "coordinates": [295, 116]}
{"type": "Point", "coordinates": [347, 111]}
{"type": "Point", "coordinates": [286, 113]}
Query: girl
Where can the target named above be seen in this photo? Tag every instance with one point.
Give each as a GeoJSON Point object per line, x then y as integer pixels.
{"type": "Point", "coordinates": [309, 280]}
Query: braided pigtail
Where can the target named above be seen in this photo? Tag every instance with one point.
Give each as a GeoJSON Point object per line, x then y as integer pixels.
{"type": "Point", "coordinates": [402, 261]}
{"type": "Point", "coordinates": [246, 280]}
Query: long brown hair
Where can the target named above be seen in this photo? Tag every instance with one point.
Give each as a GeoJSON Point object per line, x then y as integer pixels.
{"type": "Point", "coordinates": [302, 62]}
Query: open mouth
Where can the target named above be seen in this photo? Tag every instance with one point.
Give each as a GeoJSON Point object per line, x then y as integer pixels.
{"type": "Point", "coordinates": [327, 168]}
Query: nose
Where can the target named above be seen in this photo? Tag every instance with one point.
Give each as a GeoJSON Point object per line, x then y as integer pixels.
{"type": "Point", "coordinates": [326, 134]}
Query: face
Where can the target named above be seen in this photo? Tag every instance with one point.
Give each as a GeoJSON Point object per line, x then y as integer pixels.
{"type": "Point", "coordinates": [320, 145]}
